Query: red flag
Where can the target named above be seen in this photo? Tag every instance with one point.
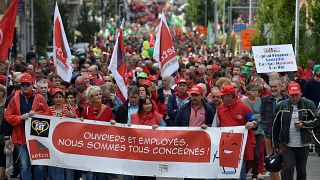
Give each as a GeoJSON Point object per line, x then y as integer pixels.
{"type": "Point", "coordinates": [164, 52]}
{"type": "Point", "coordinates": [7, 24]}
{"type": "Point", "coordinates": [118, 65]}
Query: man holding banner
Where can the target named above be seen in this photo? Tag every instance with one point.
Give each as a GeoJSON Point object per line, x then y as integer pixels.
{"type": "Point", "coordinates": [234, 112]}
{"type": "Point", "coordinates": [23, 105]}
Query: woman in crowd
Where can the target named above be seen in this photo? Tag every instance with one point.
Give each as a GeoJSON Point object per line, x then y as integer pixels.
{"type": "Point", "coordinates": [96, 110]}
{"type": "Point", "coordinates": [143, 92]}
{"type": "Point", "coordinates": [147, 115]}
{"type": "Point", "coordinates": [60, 109]}
{"type": "Point", "coordinates": [254, 102]}
{"type": "Point", "coordinates": [71, 95]}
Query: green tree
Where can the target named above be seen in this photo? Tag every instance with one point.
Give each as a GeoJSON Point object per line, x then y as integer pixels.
{"type": "Point", "coordinates": [283, 22]}
{"type": "Point", "coordinates": [265, 15]}
{"type": "Point", "coordinates": [87, 24]}
{"type": "Point", "coordinates": [41, 26]}
{"type": "Point", "coordinates": [195, 11]}
{"type": "Point", "coordinates": [313, 23]}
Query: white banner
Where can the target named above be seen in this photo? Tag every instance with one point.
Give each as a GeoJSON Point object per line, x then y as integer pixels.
{"type": "Point", "coordinates": [274, 58]}
{"type": "Point", "coordinates": [137, 150]}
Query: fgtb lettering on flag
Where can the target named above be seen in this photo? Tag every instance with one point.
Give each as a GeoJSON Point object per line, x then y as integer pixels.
{"type": "Point", "coordinates": [7, 25]}
{"type": "Point", "coordinates": [118, 65]}
{"type": "Point", "coordinates": [164, 52]}
{"type": "Point", "coordinates": [62, 53]}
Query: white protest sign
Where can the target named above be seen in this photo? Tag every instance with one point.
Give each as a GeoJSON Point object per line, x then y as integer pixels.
{"type": "Point", "coordinates": [274, 58]}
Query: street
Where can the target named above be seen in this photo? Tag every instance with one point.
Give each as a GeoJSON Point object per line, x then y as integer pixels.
{"type": "Point", "coordinates": [312, 168]}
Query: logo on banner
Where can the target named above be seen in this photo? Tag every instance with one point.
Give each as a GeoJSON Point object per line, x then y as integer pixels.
{"type": "Point", "coordinates": [229, 151]}
{"type": "Point", "coordinates": [1, 36]}
{"type": "Point", "coordinates": [40, 127]}
{"type": "Point", "coordinates": [38, 150]}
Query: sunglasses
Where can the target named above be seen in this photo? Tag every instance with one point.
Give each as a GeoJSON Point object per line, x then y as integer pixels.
{"type": "Point", "coordinates": [25, 84]}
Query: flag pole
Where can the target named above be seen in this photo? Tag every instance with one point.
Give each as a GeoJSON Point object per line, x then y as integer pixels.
{"type": "Point", "coordinates": [8, 68]}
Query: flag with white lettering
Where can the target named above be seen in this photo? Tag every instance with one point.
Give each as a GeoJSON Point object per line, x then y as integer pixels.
{"type": "Point", "coordinates": [164, 52]}
{"type": "Point", "coordinates": [61, 50]}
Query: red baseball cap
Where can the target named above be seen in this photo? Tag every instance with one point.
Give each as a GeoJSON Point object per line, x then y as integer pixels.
{"type": "Point", "coordinates": [3, 78]}
{"type": "Point", "coordinates": [26, 77]}
{"type": "Point", "coordinates": [294, 88]}
{"type": "Point", "coordinates": [226, 89]}
{"type": "Point", "coordinates": [196, 90]}
{"type": "Point", "coordinates": [300, 69]}
{"type": "Point", "coordinates": [215, 67]}
{"type": "Point", "coordinates": [57, 90]}
{"type": "Point", "coordinates": [182, 81]}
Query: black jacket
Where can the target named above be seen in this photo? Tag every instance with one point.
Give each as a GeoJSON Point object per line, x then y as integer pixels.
{"type": "Point", "coordinates": [122, 114]}
{"type": "Point", "coordinates": [281, 125]}
{"type": "Point", "coordinates": [161, 94]}
{"type": "Point", "coordinates": [268, 112]}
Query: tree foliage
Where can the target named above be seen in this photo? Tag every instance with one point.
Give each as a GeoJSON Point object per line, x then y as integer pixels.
{"type": "Point", "coordinates": [41, 26]}
{"type": "Point", "coordinates": [87, 23]}
{"type": "Point", "coordinates": [281, 15]}
{"type": "Point", "coordinates": [195, 11]}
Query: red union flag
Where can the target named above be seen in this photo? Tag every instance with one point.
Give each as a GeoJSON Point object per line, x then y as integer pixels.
{"type": "Point", "coordinates": [164, 52]}
{"type": "Point", "coordinates": [118, 65]}
{"type": "Point", "coordinates": [7, 23]}
{"type": "Point", "coordinates": [62, 54]}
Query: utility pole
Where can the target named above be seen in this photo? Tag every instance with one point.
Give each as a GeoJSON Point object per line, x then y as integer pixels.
{"type": "Point", "coordinates": [250, 14]}
{"type": "Point", "coordinates": [206, 13]}
{"type": "Point", "coordinates": [215, 21]}
{"type": "Point", "coordinates": [223, 17]}
{"type": "Point", "coordinates": [32, 24]}
{"type": "Point", "coordinates": [297, 23]}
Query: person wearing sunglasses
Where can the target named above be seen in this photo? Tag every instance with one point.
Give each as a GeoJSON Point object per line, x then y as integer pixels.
{"type": "Point", "coordinates": [59, 109]}
{"type": "Point", "coordinates": [23, 105]}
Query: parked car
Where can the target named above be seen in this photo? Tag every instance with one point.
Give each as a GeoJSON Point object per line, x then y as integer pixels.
{"type": "Point", "coordinates": [80, 48]}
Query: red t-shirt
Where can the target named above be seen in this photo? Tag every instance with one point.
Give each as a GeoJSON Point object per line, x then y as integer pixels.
{"type": "Point", "coordinates": [103, 113]}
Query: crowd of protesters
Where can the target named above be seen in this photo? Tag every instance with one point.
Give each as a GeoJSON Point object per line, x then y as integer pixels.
{"type": "Point", "coordinates": [213, 87]}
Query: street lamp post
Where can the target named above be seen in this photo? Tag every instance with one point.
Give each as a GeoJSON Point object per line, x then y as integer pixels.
{"type": "Point", "coordinates": [297, 23]}
{"type": "Point", "coordinates": [215, 20]}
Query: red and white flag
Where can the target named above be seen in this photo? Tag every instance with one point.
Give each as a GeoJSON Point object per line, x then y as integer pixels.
{"type": "Point", "coordinates": [7, 24]}
{"type": "Point", "coordinates": [118, 65]}
{"type": "Point", "coordinates": [61, 50]}
{"type": "Point", "coordinates": [164, 52]}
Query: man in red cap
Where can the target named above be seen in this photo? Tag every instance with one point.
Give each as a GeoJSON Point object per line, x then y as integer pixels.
{"type": "Point", "coordinates": [290, 131]}
{"type": "Point", "coordinates": [176, 100]}
{"type": "Point", "coordinates": [24, 104]}
{"type": "Point", "coordinates": [233, 112]}
{"type": "Point", "coordinates": [195, 113]}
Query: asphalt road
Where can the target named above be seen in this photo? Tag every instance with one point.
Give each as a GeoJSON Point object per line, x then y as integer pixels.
{"type": "Point", "coordinates": [313, 169]}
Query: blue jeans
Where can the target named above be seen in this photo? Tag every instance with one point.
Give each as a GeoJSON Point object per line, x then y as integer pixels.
{"type": "Point", "coordinates": [25, 165]}
{"type": "Point", "coordinates": [60, 173]}
{"type": "Point", "coordinates": [243, 173]}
